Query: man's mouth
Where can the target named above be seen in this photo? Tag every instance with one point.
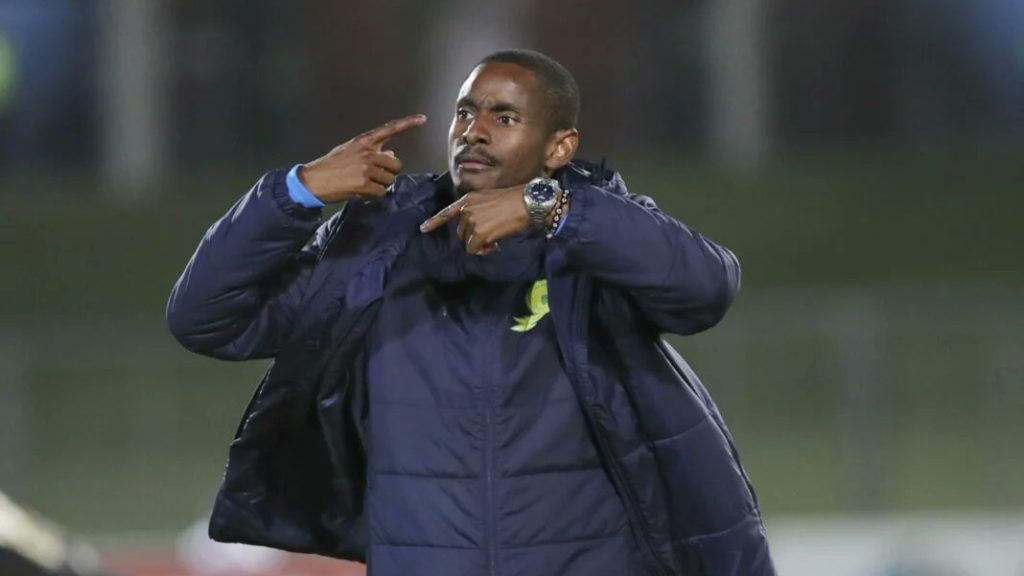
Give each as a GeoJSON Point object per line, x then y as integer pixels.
{"type": "Point", "coordinates": [474, 161]}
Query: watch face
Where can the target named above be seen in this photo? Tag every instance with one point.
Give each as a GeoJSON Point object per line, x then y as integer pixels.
{"type": "Point", "coordinates": [542, 192]}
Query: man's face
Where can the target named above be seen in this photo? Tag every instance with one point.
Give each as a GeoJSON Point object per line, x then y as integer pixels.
{"type": "Point", "coordinates": [499, 135]}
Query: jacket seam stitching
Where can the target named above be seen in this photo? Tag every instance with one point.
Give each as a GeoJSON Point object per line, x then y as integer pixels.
{"type": "Point", "coordinates": [748, 519]}
{"type": "Point", "coordinates": [703, 422]}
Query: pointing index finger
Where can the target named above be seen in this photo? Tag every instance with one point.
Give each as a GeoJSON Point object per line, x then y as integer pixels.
{"type": "Point", "coordinates": [446, 214]}
{"type": "Point", "coordinates": [381, 134]}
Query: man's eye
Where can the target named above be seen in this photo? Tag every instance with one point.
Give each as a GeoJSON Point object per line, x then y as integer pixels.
{"type": "Point", "coordinates": [506, 119]}
{"type": "Point", "coordinates": [462, 114]}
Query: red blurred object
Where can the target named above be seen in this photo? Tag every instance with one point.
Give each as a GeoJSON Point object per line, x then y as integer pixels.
{"type": "Point", "coordinates": [128, 564]}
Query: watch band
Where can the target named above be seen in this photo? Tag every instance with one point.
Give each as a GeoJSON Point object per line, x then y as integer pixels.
{"type": "Point", "coordinates": [560, 214]}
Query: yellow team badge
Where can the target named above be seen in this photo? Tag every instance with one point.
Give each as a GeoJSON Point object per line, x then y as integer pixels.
{"type": "Point", "coordinates": [536, 304]}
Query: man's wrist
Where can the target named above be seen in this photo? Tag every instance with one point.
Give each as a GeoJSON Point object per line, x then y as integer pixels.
{"type": "Point", "coordinates": [298, 191]}
{"type": "Point", "coordinates": [565, 216]}
{"type": "Point", "coordinates": [556, 217]}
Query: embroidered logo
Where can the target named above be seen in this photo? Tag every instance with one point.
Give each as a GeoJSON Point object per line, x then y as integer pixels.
{"type": "Point", "coordinates": [536, 305]}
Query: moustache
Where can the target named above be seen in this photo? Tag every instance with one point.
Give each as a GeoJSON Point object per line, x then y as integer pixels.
{"type": "Point", "coordinates": [475, 155]}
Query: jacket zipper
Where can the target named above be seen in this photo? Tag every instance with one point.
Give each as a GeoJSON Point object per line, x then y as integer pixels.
{"type": "Point", "coordinates": [490, 514]}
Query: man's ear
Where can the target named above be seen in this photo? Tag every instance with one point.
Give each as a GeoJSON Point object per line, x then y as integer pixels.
{"type": "Point", "coordinates": [561, 148]}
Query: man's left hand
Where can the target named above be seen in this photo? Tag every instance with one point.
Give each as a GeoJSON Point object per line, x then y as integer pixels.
{"type": "Point", "coordinates": [485, 217]}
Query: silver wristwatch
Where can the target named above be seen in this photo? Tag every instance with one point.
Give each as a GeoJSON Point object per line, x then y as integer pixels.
{"type": "Point", "coordinates": [540, 195]}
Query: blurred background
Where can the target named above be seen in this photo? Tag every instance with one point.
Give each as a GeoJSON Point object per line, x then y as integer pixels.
{"type": "Point", "coordinates": [863, 158]}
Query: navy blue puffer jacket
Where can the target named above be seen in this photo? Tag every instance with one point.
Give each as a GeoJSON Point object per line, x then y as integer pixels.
{"type": "Point", "coordinates": [269, 280]}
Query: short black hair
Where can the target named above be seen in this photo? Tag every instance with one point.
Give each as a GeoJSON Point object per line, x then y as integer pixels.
{"type": "Point", "coordinates": [559, 86]}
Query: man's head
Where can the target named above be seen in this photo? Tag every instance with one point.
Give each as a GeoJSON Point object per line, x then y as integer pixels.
{"type": "Point", "coordinates": [515, 120]}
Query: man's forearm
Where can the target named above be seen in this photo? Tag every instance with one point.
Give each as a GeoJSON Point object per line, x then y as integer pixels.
{"type": "Point", "coordinates": [222, 304]}
{"type": "Point", "coordinates": [682, 280]}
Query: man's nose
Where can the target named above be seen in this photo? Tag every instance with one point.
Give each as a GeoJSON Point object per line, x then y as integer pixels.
{"type": "Point", "coordinates": [476, 133]}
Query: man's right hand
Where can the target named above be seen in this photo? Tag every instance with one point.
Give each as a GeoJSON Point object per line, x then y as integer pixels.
{"type": "Point", "coordinates": [359, 168]}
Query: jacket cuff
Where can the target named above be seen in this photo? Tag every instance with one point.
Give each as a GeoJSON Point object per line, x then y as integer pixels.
{"type": "Point", "coordinates": [278, 182]}
{"type": "Point", "coordinates": [298, 191]}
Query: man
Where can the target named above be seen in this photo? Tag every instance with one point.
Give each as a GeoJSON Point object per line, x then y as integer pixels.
{"type": "Point", "coordinates": [468, 377]}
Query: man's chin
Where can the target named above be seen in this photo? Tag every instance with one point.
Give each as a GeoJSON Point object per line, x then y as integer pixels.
{"type": "Point", "coordinates": [466, 182]}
